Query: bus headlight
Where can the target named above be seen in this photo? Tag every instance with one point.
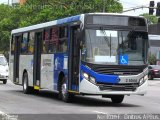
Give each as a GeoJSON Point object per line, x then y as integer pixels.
{"type": "Point", "coordinates": [85, 75]}
{"type": "Point", "coordinates": [142, 80]}
{"type": "Point", "coordinates": [89, 78]}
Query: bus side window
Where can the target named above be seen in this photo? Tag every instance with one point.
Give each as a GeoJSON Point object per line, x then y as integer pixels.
{"type": "Point", "coordinates": [63, 40]}
{"type": "Point", "coordinates": [24, 43]}
{"type": "Point", "coordinates": [31, 43]}
{"type": "Point", "coordinates": [12, 45]}
{"type": "Point", "coordinates": [46, 40]}
{"type": "Point", "coordinates": [53, 45]}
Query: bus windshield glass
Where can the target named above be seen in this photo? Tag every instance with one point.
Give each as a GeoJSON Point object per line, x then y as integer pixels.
{"type": "Point", "coordinates": [106, 46]}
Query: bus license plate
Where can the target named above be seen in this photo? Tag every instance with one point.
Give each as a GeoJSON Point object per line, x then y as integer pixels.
{"type": "Point", "coordinates": [131, 80]}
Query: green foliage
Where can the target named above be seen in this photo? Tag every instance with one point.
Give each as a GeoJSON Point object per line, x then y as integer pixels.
{"type": "Point", "coordinates": [151, 18]}
{"type": "Point", "coordinates": [39, 11]}
{"type": "Point", "coordinates": [152, 59]}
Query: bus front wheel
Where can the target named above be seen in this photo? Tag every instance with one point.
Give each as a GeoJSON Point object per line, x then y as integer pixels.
{"type": "Point", "coordinates": [117, 98]}
{"type": "Point", "coordinates": [63, 92]}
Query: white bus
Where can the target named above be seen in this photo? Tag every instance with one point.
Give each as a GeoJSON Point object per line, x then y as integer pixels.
{"type": "Point", "coordinates": [88, 54]}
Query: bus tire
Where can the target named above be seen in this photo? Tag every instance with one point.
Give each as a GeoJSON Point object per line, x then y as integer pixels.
{"type": "Point", "coordinates": [117, 98]}
{"type": "Point", "coordinates": [26, 88]}
{"type": "Point", "coordinates": [63, 92]}
{"type": "Point", "coordinates": [5, 81]}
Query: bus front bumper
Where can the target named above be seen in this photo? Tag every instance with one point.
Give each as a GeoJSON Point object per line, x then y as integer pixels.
{"type": "Point", "coordinates": [87, 87]}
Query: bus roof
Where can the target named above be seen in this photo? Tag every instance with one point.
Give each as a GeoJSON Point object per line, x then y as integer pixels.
{"type": "Point", "coordinates": [61, 21]}
{"type": "Point", "coordinates": [47, 24]}
{"type": "Point", "coordinates": [119, 14]}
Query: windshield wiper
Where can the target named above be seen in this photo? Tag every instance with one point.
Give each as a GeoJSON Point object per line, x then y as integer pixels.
{"type": "Point", "coordinates": [105, 36]}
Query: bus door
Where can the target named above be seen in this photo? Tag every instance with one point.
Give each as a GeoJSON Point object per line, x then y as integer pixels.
{"type": "Point", "coordinates": [74, 60]}
{"type": "Point", "coordinates": [16, 58]}
{"type": "Point", "coordinates": [37, 60]}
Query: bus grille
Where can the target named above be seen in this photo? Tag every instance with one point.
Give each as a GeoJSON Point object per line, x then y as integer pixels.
{"type": "Point", "coordinates": [116, 69]}
{"type": "Point", "coordinates": [118, 87]}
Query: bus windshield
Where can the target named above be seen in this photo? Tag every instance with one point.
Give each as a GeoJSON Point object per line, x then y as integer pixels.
{"type": "Point", "coordinates": [106, 46]}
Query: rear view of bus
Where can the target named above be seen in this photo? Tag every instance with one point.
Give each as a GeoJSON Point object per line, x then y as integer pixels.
{"type": "Point", "coordinates": [114, 56]}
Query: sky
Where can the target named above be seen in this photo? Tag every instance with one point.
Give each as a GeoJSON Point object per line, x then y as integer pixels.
{"type": "Point", "coordinates": [4, 1]}
{"type": "Point", "coordinates": [127, 4]}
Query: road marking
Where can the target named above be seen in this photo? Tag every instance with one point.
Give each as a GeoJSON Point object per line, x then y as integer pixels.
{"type": "Point", "coordinates": [98, 112]}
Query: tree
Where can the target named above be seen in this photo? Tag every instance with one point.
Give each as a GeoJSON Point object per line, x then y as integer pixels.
{"type": "Point", "coordinates": [39, 11]}
{"type": "Point", "coordinates": [5, 27]}
{"type": "Point", "coordinates": [151, 18]}
{"type": "Point", "coordinates": [152, 59]}
{"type": "Point", "coordinates": [73, 7]}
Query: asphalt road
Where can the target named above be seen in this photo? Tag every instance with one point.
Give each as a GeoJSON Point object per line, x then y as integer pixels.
{"type": "Point", "coordinates": [46, 105]}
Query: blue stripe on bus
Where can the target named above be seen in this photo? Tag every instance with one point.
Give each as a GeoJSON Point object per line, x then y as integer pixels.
{"type": "Point", "coordinates": [69, 19]}
{"type": "Point", "coordinates": [59, 67]}
{"type": "Point", "coordinates": [101, 78]}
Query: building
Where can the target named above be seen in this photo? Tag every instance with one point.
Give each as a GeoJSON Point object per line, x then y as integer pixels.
{"type": "Point", "coordinates": [22, 2]}
{"type": "Point", "coordinates": [154, 41]}
{"type": "Point", "coordinates": [15, 2]}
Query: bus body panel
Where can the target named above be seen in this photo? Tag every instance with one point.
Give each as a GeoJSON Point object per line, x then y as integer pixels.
{"type": "Point", "coordinates": [11, 67]}
{"type": "Point", "coordinates": [87, 87]}
{"type": "Point", "coordinates": [47, 75]}
{"type": "Point", "coordinates": [60, 67]}
{"type": "Point", "coordinates": [26, 63]}
{"type": "Point", "coordinates": [114, 79]}
{"type": "Point", "coordinates": [94, 88]}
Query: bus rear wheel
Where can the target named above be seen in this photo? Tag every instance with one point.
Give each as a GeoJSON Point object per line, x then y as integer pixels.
{"type": "Point", "coordinates": [63, 92]}
{"type": "Point", "coordinates": [26, 88]}
{"type": "Point", "coordinates": [117, 98]}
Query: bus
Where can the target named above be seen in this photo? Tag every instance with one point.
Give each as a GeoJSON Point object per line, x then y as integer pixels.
{"type": "Point", "coordinates": [101, 54]}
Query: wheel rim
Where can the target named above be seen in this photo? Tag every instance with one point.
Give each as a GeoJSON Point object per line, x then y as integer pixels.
{"type": "Point", "coordinates": [64, 89]}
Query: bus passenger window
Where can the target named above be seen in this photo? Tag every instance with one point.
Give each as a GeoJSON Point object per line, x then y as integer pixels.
{"type": "Point", "coordinates": [46, 41]}
{"type": "Point", "coordinates": [53, 45]}
{"type": "Point", "coordinates": [63, 32]}
{"type": "Point", "coordinates": [63, 38]}
{"type": "Point", "coordinates": [12, 45]}
{"type": "Point", "coordinates": [31, 43]}
{"type": "Point", "coordinates": [24, 43]}
{"type": "Point", "coordinates": [63, 45]}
